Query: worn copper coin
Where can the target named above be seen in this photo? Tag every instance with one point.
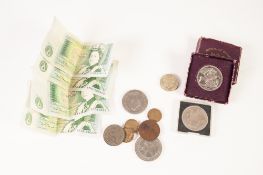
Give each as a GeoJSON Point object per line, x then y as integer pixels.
{"type": "Point", "coordinates": [132, 124]}
{"type": "Point", "coordinates": [209, 78]}
{"type": "Point", "coordinates": [149, 130]}
{"type": "Point", "coordinates": [194, 118]}
{"type": "Point", "coordinates": [148, 150]}
{"type": "Point", "coordinates": [154, 114]}
{"type": "Point", "coordinates": [129, 134]}
{"type": "Point", "coordinates": [134, 101]}
{"type": "Point", "coordinates": [169, 82]}
{"type": "Point", "coordinates": [114, 135]}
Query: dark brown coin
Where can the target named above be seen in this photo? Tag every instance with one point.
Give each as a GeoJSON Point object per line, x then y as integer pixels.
{"type": "Point", "coordinates": [149, 130]}
{"type": "Point", "coordinates": [131, 124]}
{"type": "Point", "coordinates": [129, 134]}
{"type": "Point", "coordinates": [155, 114]}
{"type": "Point", "coordinates": [114, 135]}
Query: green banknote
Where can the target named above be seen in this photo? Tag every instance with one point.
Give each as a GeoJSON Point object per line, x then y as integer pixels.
{"type": "Point", "coordinates": [101, 86]}
{"type": "Point", "coordinates": [95, 61]}
{"type": "Point", "coordinates": [44, 70]}
{"type": "Point", "coordinates": [50, 99]}
{"type": "Point", "coordinates": [37, 120]}
{"type": "Point", "coordinates": [85, 124]}
{"type": "Point", "coordinates": [62, 49]}
{"type": "Point", "coordinates": [66, 52]}
{"type": "Point", "coordinates": [86, 102]}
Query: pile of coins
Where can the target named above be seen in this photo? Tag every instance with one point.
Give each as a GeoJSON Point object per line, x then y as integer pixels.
{"type": "Point", "coordinates": [130, 127]}
{"type": "Point", "coordinates": [147, 147]}
{"type": "Point", "coordinates": [114, 134]}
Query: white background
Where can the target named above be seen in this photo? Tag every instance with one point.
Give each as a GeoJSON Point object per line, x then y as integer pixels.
{"type": "Point", "coordinates": [151, 39]}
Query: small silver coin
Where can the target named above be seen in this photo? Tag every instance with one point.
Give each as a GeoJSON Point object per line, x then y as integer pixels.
{"type": "Point", "coordinates": [209, 78]}
{"type": "Point", "coordinates": [134, 101]}
{"type": "Point", "coordinates": [194, 118]}
{"type": "Point", "coordinates": [169, 82]}
{"type": "Point", "coordinates": [148, 150]}
{"type": "Point", "coordinates": [114, 135]}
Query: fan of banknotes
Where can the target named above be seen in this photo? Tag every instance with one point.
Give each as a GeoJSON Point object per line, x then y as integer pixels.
{"type": "Point", "coordinates": [71, 84]}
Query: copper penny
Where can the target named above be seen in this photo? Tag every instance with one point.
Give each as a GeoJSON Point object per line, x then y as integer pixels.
{"type": "Point", "coordinates": [149, 130]}
{"type": "Point", "coordinates": [155, 114]}
{"type": "Point", "coordinates": [131, 124]}
{"type": "Point", "coordinates": [129, 134]}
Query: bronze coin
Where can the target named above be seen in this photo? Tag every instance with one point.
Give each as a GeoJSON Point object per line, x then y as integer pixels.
{"type": "Point", "coordinates": [149, 130]}
{"type": "Point", "coordinates": [131, 124]}
{"type": "Point", "coordinates": [155, 114]}
{"type": "Point", "coordinates": [129, 134]}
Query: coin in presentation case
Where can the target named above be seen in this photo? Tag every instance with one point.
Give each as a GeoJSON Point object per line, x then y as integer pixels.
{"type": "Point", "coordinates": [221, 49]}
{"type": "Point", "coordinates": [224, 66]}
{"type": "Point", "coordinates": [183, 128]}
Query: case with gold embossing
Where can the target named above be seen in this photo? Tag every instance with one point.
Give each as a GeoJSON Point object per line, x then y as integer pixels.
{"type": "Point", "coordinates": [209, 78]}
{"type": "Point", "coordinates": [221, 50]}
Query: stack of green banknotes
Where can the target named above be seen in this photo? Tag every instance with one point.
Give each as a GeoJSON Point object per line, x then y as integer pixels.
{"type": "Point", "coordinates": [71, 84]}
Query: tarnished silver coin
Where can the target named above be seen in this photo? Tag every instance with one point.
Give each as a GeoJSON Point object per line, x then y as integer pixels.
{"type": "Point", "coordinates": [209, 78]}
{"type": "Point", "coordinates": [148, 150]}
{"type": "Point", "coordinates": [114, 135]}
{"type": "Point", "coordinates": [169, 82]}
{"type": "Point", "coordinates": [194, 118]}
{"type": "Point", "coordinates": [134, 101]}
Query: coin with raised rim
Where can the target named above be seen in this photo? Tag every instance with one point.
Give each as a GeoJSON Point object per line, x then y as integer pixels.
{"type": "Point", "coordinates": [154, 114]}
{"type": "Point", "coordinates": [149, 130]}
{"type": "Point", "coordinates": [134, 101]}
{"type": "Point", "coordinates": [194, 118]}
{"type": "Point", "coordinates": [148, 150]}
{"type": "Point", "coordinates": [132, 124]}
{"type": "Point", "coordinates": [114, 135]}
{"type": "Point", "coordinates": [169, 82]}
{"type": "Point", "coordinates": [209, 78]}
